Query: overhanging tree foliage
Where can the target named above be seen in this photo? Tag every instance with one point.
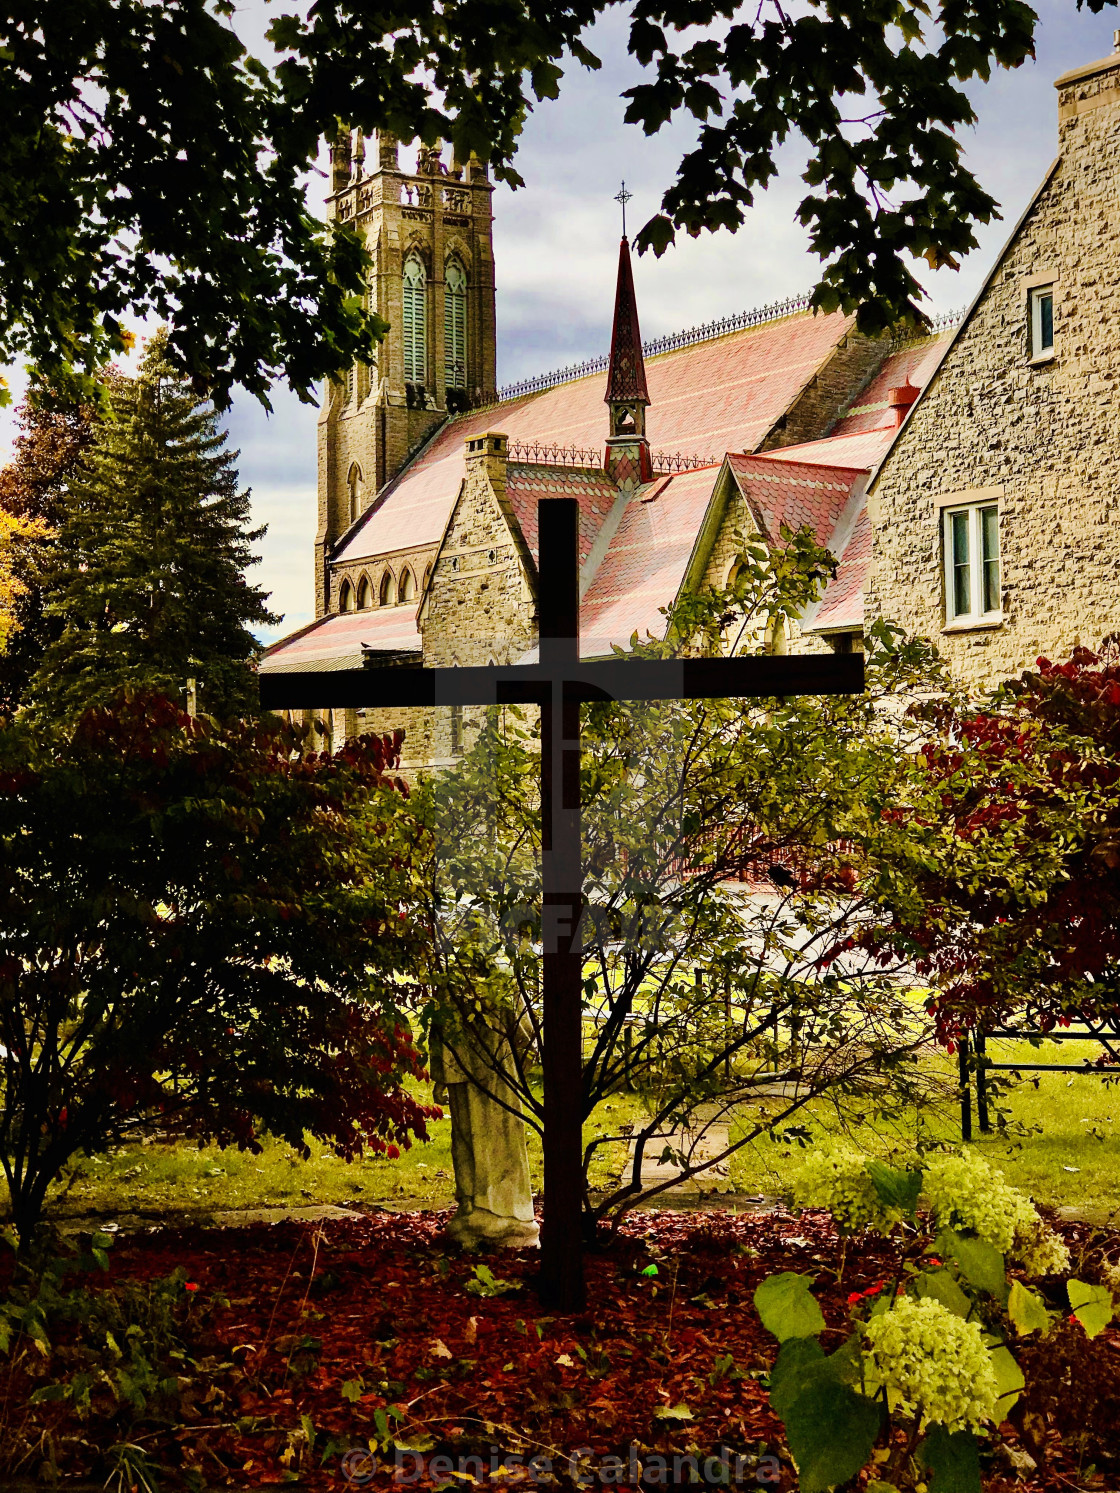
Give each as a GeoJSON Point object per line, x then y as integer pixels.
{"type": "Point", "coordinates": [152, 166]}
{"type": "Point", "coordinates": [146, 581]}
{"type": "Point", "coordinates": [193, 934]}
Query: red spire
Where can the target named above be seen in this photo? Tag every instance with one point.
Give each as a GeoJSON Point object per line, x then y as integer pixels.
{"type": "Point", "coordinates": [626, 380]}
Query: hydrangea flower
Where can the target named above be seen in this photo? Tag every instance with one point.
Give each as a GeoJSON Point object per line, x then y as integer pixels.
{"type": "Point", "coordinates": [933, 1363]}
{"type": "Point", "coordinates": [963, 1191]}
{"type": "Point", "coordinates": [836, 1178]}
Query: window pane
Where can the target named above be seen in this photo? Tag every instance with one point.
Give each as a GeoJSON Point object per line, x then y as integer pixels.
{"type": "Point", "coordinates": [960, 572]}
{"type": "Point", "coordinates": [1046, 322]}
{"type": "Point", "coordinates": [455, 327]}
{"type": "Point", "coordinates": [989, 541]}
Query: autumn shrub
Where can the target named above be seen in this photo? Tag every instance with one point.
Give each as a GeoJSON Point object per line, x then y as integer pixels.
{"type": "Point", "coordinates": [194, 934]}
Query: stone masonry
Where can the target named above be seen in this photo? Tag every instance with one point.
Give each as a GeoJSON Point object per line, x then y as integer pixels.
{"type": "Point", "coordinates": [1038, 437]}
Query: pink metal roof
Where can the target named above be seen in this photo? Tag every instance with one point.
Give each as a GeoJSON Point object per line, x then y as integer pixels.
{"type": "Point", "coordinates": [336, 642]}
{"type": "Point", "coordinates": [715, 396]}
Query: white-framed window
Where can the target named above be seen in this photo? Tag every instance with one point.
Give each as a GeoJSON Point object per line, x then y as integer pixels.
{"type": "Point", "coordinates": [414, 321]}
{"type": "Point", "coordinates": [455, 325]}
{"type": "Point", "coordinates": [1042, 321]}
{"type": "Point", "coordinates": [972, 564]}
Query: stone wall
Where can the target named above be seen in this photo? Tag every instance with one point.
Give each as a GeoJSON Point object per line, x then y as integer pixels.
{"type": "Point", "coordinates": [1039, 438]}
{"type": "Point", "coordinates": [850, 367]}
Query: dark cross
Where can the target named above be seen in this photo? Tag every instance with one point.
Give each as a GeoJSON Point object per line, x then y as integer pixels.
{"type": "Point", "coordinates": [624, 197]}
{"type": "Point", "coordinates": [559, 684]}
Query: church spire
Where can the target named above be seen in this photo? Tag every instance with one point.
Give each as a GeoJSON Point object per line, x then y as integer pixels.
{"type": "Point", "coordinates": [627, 394]}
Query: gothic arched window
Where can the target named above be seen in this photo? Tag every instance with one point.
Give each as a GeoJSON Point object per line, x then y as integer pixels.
{"type": "Point", "coordinates": [345, 597]}
{"type": "Point", "coordinates": [414, 321]}
{"type": "Point", "coordinates": [363, 593]}
{"type": "Point", "coordinates": [388, 593]}
{"type": "Point", "coordinates": [455, 325]}
{"type": "Point", "coordinates": [354, 487]}
{"type": "Point", "coordinates": [406, 589]}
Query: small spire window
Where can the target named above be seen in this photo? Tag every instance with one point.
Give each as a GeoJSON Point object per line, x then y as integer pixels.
{"type": "Point", "coordinates": [407, 587]}
{"type": "Point", "coordinates": [345, 598]}
{"type": "Point", "coordinates": [388, 593]}
{"type": "Point", "coordinates": [363, 594]}
{"type": "Point", "coordinates": [414, 321]}
{"type": "Point", "coordinates": [455, 325]}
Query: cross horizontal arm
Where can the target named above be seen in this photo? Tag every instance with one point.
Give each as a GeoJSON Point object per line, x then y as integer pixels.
{"type": "Point", "coordinates": [528, 684]}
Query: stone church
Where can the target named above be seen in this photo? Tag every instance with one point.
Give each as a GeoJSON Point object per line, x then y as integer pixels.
{"type": "Point", "coordinates": [961, 479]}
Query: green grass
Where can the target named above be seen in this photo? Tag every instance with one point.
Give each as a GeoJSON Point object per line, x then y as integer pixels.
{"type": "Point", "coordinates": [1060, 1142]}
{"type": "Point", "coordinates": [1062, 1145]}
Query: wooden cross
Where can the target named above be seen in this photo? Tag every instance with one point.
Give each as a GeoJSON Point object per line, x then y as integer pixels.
{"type": "Point", "coordinates": [559, 684]}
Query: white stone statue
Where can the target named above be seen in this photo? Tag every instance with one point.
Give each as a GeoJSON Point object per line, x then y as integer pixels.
{"type": "Point", "coordinates": [488, 1150]}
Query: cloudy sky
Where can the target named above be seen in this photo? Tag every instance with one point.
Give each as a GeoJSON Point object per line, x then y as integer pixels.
{"type": "Point", "coordinates": [556, 245]}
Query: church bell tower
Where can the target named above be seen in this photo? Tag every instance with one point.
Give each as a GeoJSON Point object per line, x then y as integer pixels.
{"type": "Point", "coordinates": [429, 236]}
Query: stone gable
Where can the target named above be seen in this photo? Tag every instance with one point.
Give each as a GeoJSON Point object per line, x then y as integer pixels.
{"type": "Point", "coordinates": [1034, 436]}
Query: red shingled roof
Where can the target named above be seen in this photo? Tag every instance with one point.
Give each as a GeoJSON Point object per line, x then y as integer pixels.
{"type": "Point", "coordinates": [336, 642]}
{"type": "Point", "coordinates": [645, 564]}
{"type": "Point", "coordinates": [795, 493]}
{"type": "Point", "coordinates": [843, 601]}
{"type": "Point", "coordinates": [594, 490]}
{"type": "Point", "coordinates": [715, 396]}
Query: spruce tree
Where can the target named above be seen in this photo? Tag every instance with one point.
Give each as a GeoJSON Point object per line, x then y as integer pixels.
{"type": "Point", "coordinates": [149, 583]}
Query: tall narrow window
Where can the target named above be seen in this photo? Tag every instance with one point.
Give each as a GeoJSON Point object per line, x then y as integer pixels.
{"type": "Point", "coordinates": [363, 594]}
{"type": "Point", "coordinates": [345, 598]}
{"type": "Point", "coordinates": [972, 564]}
{"type": "Point", "coordinates": [388, 593]}
{"type": "Point", "coordinates": [414, 321]}
{"type": "Point", "coordinates": [1042, 321]}
{"type": "Point", "coordinates": [354, 485]}
{"type": "Point", "coordinates": [456, 730]}
{"type": "Point", "coordinates": [406, 588]}
{"type": "Point", "coordinates": [455, 325]}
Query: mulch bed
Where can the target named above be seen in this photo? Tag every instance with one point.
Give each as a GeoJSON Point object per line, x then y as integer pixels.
{"type": "Point", "coordinates": [312, 1340]}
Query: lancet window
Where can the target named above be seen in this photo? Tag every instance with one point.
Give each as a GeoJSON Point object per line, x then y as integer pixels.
{"type": "Point", "coordinates": [455, 325]}
{"type": "Point", "coordinates": [414, 321]}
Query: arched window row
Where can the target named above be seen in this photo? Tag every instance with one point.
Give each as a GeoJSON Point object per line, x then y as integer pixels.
{"type": "Point", "coordinates": [391, 590]}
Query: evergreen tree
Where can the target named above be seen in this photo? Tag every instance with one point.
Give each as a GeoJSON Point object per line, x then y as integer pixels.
{"type": "Point", "coordinates": [149, 583]}
{"type": "Point", "coordinates": [53, 436]}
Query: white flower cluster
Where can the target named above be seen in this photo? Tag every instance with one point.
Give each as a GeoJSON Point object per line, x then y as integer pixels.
{"type": "Point", "coordinates": [963, 1191]}
{"type": "Point", "coordinates": [836, 1178]}
{"type": "Point", "coordinates": [933, 1364]}
{"type": "Point", "coordinates": [1037, 1248]}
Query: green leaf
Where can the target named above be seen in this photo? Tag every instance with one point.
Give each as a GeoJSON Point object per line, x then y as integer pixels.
{"type": "Point", "coordinates": [672, 1412]}
{"type": "Point", "coordinates": [941, 1285]}
{"type": "Point", "coordinates": [980, 1263]}
{"type": "Point", "coordinates": [953, 1460]}
{"type": "Point", "coordinates": [1093, 1306]}
{"type": "Point", "coordinates": [786, 1306]}
{"type": "Point", "coordinates": [799, 1362]}
{"type": "Point", "coordinates": [896, 1188]}
{"type": "Point", "coordinates": [830, 1429]}
{"type": "Point", "coordinates": [1027, 1310]}
{"type": "Point", "coordinates": [1009, 1381]}
{"type": "Point", "coordinates": [352, 1390]}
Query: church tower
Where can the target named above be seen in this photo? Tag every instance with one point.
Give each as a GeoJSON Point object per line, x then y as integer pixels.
{"type": "Point", "coordinates": [429, 237]}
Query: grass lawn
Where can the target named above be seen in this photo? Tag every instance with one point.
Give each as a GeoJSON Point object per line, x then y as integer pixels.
{"type": "Point", "coordinates": [1061, 1145]}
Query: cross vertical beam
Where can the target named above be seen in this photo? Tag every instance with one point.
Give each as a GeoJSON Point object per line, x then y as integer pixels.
{"type": "Point", "coordinates": [561, 909]}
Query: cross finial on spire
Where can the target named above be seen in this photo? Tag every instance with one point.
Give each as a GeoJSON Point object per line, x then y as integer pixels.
{"type": "Point", "coordinates": [624, 197]}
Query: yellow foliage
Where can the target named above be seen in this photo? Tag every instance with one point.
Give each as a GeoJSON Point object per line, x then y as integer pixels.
{"type": "Point", "coordinates": [15, 534]}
